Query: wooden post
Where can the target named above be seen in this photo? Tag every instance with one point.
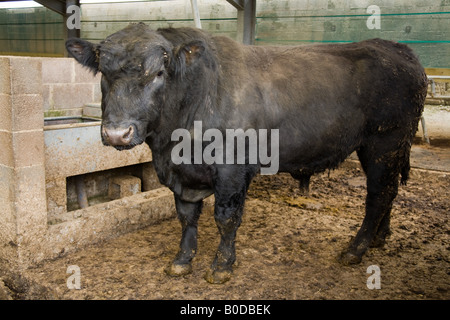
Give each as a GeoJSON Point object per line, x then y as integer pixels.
{"type": "Point", "coordinates": [249, 22]}
{"type": "Point", "coordinates": [246, 20]}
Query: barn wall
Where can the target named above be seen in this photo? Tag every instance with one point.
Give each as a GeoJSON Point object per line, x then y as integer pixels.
{"type": "Point", "coordinates": [424, 25]}
{"type": "Point", "coordinates": [31, 31]}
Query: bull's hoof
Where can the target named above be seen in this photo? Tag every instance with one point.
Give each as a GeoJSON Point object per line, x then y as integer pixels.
{"type": "Point", "coordinates": [380, 239]}
{"type": "Point", "coordinates": [378, 242]}
{"type": "Point", "coordinates": [218, 276]}
{"type": "Point", "coordinates": [178, 270]}
{"type": "Point", "coordinates": [348, 258]}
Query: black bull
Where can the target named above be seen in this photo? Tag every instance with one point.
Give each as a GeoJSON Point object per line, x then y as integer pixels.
{"type": "Point", "coordinates": [326, 101]}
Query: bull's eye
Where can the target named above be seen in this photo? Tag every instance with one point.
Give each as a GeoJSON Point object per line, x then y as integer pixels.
{"type": "Point", "coordinates": [159, 74]}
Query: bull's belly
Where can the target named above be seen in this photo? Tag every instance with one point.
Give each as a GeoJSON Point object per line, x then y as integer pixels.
{"type": "Point", "coordinates": [316, 154]}
{"type": "Point", "coordinates": [312, 161]}
{"type": "Point", "coordinates": [307, 141]}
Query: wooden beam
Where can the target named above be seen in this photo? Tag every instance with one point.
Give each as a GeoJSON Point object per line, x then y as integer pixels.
{"type": "Point", "coordinates": [249, 21]}
{"type": "Point", "coordinates": [54, 5]}
{"type": "Point", "coordinates": [60, 7]}
{"type": "Point", "coordinates": [246, 22]}
{"type": "Point", "coordinates": [238, 4]}
{"type": "Point", "coordinates": [71, 33]}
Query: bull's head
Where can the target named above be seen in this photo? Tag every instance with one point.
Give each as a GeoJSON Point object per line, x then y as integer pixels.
{"type": "Point", "coordinates": [136, 64]}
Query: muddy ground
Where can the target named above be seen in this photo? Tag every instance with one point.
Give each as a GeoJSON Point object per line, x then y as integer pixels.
{"type": "Point", "coordinates": [286, 248]}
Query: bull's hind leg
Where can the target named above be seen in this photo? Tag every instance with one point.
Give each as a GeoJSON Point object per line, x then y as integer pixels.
{"type": "Point", "coordinates": [402, 156]}
{"type": "Point", "coordinates": [188, 214]}
{"type": "Point", "coordinates": [382, 164]}
{"type": "Point", "coordinates": [304, 180]}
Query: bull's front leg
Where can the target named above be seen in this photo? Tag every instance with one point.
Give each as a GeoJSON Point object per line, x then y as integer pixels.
{"type": "Point", "coordinates": [188, 214]}
{"type": "Point", "coordinates": [230, 192]}
{"type": "Point", "coordinates": [228, 219]}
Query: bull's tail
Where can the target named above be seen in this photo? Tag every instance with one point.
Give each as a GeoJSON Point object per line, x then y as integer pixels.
{"type": "Point", "coordinates": [406, 166]}
{"type": "Point", "coordinates": [405, 173]}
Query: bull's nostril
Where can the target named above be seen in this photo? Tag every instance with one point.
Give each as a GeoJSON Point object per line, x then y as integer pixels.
{"type": "Point", "coordinates": [118, 137]}
{"type": "Point", "coordinates": [128, 134]}
{"type": "Point", "coordinates": [104, 133]}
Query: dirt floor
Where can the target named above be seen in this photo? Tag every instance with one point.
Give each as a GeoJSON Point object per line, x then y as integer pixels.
{"type": "Point", "coordinates": [286, 246]}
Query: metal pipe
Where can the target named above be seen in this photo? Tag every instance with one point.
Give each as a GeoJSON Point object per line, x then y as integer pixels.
{"type": "Point", "coordinates": [81, 192]}
{"type": "Point", "coordinates": [424, 129]}
{"type": "Point", "coordinates": [196, 14]}
{"type": "Point", "coordinates": [432, 81]}
{"type": "Point", "coordinates": [433, 86]}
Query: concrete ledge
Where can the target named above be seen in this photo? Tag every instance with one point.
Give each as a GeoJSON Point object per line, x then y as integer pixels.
{"type": "Point", "coordinates": [96, 223]}
{"type": "Point", "coordinates": [92, 110]}
{"type": "Point", "coordinates": [68, 144]}
{"type": "Point", "coordinates": [123, 186]}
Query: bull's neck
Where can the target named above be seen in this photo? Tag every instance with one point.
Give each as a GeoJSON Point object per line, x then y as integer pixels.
{"type": "Point", "coordinates": [180, 111]}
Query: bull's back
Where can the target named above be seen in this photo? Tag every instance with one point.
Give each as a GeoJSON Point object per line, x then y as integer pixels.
{"type": "Point", "coordinates": [394, 81]}
{"type": "Point", "coordinates": [324, 99]}
{"type": "Point", "coordinates": [373, 75]}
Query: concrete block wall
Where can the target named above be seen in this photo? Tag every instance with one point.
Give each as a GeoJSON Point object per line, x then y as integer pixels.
{"type": "Point", "coordinates": [26, 234]}
{"type": "Point", "coordinates": [67, 86]}
{"type": "Point", "coordinates": [23, 217]}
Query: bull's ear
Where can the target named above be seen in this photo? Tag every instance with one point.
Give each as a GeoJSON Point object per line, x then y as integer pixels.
{"type": "Point", "coordinates": [188, 54]}
{"type": "Point", "coordinates": [84, 52]}
{"type": "Point", "coordinates": [192, 51]}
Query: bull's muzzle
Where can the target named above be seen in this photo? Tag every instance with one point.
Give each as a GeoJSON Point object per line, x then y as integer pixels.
{"type": "Point", "coordinates": [118, 136]}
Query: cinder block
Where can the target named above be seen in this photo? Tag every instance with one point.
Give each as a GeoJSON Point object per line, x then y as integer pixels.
{"type": "Point", "coordinates": [84, 75]}
{"type": "Point", "coordinates": [26, 75]}
{"type": "Point", "coordinates": [71, 95]}
{"type": "Point", "coordinates": [30, 202]}
{"type": "Point", "coordinates": [8, 234]}
{"type": "Point", "coordinates": [57, 70]}
{"type": "Point", "coordinates": [92, 110]}
{"type": "Point", "coordinates": [6, 193]}
{"type": "Point", "coordinates": [159, 205]}
{"type": "Point", "coordinates": [97, 93]}
{"type": "Point", "coordinates": [47, 95]}
{"type": "Point", "coordinates": [5, 80]}
{"type": "Point", "coordinates": [6, 156]}
{"type": "Point", "coordinates": [28, 148]}
{"type": "Point", "coordinates": [56, 194]}
{"type": "Point", "coordinates": [5, 112]}
{"type": "Point", "coordinates": [123, 186]}
{"type": "Point", "coordinates": [27, 111]}
{"type": "Point", "coordinates": [150, 179]}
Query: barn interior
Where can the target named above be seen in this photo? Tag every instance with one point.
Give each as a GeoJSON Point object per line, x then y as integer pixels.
{"type": "Point", "coordinates": [62, 191]}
